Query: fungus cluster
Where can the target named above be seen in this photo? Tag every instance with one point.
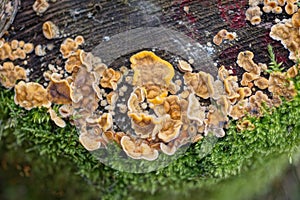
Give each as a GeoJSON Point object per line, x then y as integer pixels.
{"type": "Point", "coordinates": [9, 74]}
{"type": "Point", "coordinates": [253, 13]}
{"type": "Point", "coordinates": [31, 95]}
{"type": "Point", "coordinates": [223, 35]}
{"type": "Point", "coordinates": [150, 107]}
{"type": "Point", "coordinates": [15, 50]}
{"type": "Point", "coordinates": [156, 117]}
{"type": "Point", "coordinates": [288, 32]}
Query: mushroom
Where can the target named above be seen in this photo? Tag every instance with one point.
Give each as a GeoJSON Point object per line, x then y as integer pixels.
{"type": "Point", "coordinates": [59, 91]}
{"type": "Point", "coordinates": [253, 14]}
{"type": "Point", "coordinates": [296, 19]}
{"type": "Point", "coordinates": [276, 100]}
{"type": "Point", "coordinates": [155, 94]}
{"type": "Point", "coordinates": [277, 10]}
{"type": "Point", "coordinates": [14, 44]}
{"type": "Point", "coordinates": [290, 8]}
{"type": "Point", "coordinates": [231, 87]}
{"type": "Point", "coordinates": [68, 47]}
{"type": "Point", "coordinates": [184, 66]}
{"type": "Point", "coordinates": [223, 73]}
{"type": "Point", "coordinates": [215, 117]}
{"type": "Point", "coordinates": [243, 92]}
{"type": "Point", "coordinates": [267, 9]}
{"type": "Point", "coordinates": [195, 111]}
{"type": "Point", "coordinates": [138, 151]}
{"type": "Point", "coordinates": [217, 40]}
{"type": "Point", "coordinates": [9, 74]}
{"type": "Point", "coordinates": [28, 48]}
{"type": "Point", "coordinates": [245, 125]}
{"type": "Point", "coordinates": [66, 111]}
{"type": "Point", "coordinates": [240, 109]}
{"type": "Point", "coordinates": [149, 68]}
{"type": "Point", "coordinates": [223, 34]}
{"type": "Point", "coordinates": [40, 6]}
{"type": "Point", "coordinates": [289, 35]}
{"type": "Point", "coordinates": [172, 107]}
{"type": "Point", "coordinates": [90, 142]}
{"type": "Point", "coordinates": [79, 40]}
{"type": "Point", "coordinates": [39, 50]}
{"type": "Point", "coordinates": [169, 149]}
{"type": "Point", "coordinates": [223, 105]}
{"type": "Point", "coordinates": [201, 83]}
{"type": "Point", "coordinates": [245, 60]}
{"type": "Point", "coordinates": [110, 78]}
{"type": "Point", "coordinates": [5, 51]}
{"type": "Point", "coordinates": [292, 72]}
{"type": "Point", "coordinates": [281, 2]}
{"type": "Point", "coordinates": [170, 129]}
{"type": "Point", "coordinates": [57, 120]}
{"type": "Point", "coordinates": [259, 100]}
{"type": "Point", "coordinates": [111, 97]}
{"type": "Point", "coordinates": [106, 121]}
{"type": "Point", "coordinates": [262, 83]}
{"type": "Point", "coordinates": [73, 61]}
{"type": "Point", "coordinates": [18, 54]}
{"type": "Point", "coordinates": [218, 89]}
{"type": "Point", "coordinates": [50, 30]}
{"type": "Point", "coordinates": [31, 95]}
{"type": "Point", "coordinates": [144, 125]}
{"type": "Point", "coordinates": [280, 85]}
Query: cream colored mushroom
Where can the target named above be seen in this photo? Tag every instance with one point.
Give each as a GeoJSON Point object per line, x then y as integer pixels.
{"type": "Point", "coordinates": [184, 66]}
{"type": "Point", "coordinates": [138, 151]}
{"type": "Point", "coordinates": [195, 111]}
{"type": "Point", "coordinates": [56, 119]}
{"type": "Point", "coordinates": [170, 129]}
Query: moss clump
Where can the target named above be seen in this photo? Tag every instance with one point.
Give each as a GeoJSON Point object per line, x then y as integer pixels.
{"type": "Point", "coordinates": [276, 136]}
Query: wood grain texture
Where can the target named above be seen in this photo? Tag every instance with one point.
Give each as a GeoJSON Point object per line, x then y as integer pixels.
{"type": "Point", "coordinates": [95, 20]}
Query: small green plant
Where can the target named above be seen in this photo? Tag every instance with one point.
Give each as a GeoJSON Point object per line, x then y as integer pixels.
{"type": "Point", "coordinates": [273, 65]}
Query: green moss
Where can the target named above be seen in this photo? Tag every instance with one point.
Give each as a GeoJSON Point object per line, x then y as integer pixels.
{"type": "Point", "coordinates": [234, 157]}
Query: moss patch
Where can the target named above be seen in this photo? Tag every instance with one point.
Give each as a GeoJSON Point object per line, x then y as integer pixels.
{"type": "Point", "coordinates": [276, 136]}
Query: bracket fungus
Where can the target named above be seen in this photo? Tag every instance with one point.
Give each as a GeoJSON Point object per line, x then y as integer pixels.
{"type": "Point", "coordinates": [68, 47]}
{"type": "Point", "coordinates": [201, 83]}
{"type": "Point", "coordinates": [195, 111]}
{"type": "Point", "coordinates": [40, 6]}
{"type": "Point", "coordinates": [288, 33]}
{"type": "Point", "coordinates": [50, 30]}
{"type": "Point", "coordinates": [184, 66]}
{"type": "Point", "coordinates": [9, 74]}
{"type": "Point", "coordinates": [170, 129]}
{"type": "Point", "coordinates": [245, 60]}
{"type": "Point", "coordinates": [59, 91]}
{"type": "Point", "coordinates": [31, 95]}
{"type": "Point", "coordinates": [144, 125]}
{"type": "Point", "coordinates": [223, 34]}
{"type": "Point", "coordinates": [149, 68]}
{"type": "Point", "coordinates": [280, 85]}
{"type": "Point", "coordinates": [253, 14]}
{"type": "Point", "coordinates": [110, 78]}
{"type": "Point", "coordinates": [56, 119]}
{"type": "Point", "coordinates": [89, 141]}
{"type": "Point", "coordinates": [138, 151]}
{"type": "Point", "coordinates": [239, 109]}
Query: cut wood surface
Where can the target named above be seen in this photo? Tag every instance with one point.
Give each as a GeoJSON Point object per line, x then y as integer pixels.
{"type": "Point", "coordinates": [98, 21]}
